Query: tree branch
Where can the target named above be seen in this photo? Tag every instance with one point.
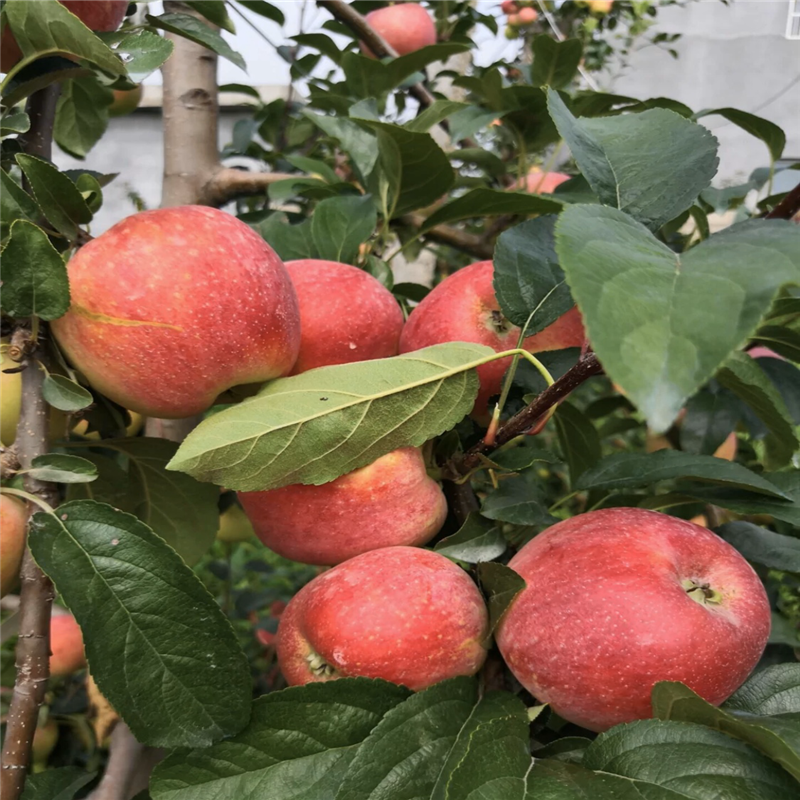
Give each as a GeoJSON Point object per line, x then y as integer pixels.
{"type": "Point", "coordinates": [462, 240]}
{"type": "Point", "coordinates": [522, 422]}
{"type": "Point", "coordinates": [788, 207]}
{"type": "Point", "coordinates": [227, 183]}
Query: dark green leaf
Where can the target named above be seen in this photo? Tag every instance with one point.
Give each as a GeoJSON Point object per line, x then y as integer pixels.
{"type": "Point", "coordinates": [112, 485]}
{"type": "Point", "coordinates": [529, 284]}
{"type": "Point", "coordinates": [761, 546]}
{"type": "Point", "coordinates": [303, 737]}
{"type": "Point", "coordinates": [264, 9]}
{"type": "Point", "coordinates": [773, 691]}
{"type": "Point", "coordinates": [475, 541]}
{"type": "Point", "coordinates": [15, 203]}
{"type": "Point", "coordinates": [38, 75]}
{"type": "Point", "coordinates": [769, 133]}
{"type": "Point", "coordinates": [709, 420]}
{"type": "Point", "coordinates": [158, 646]}
{"type": "Point", "coordinates": [341, 224]}
{"type": "Point", "coordinates": [144, 52]}
{"type": "Point", "coordinates": [579, 440]}
{"type": "Point", "coordinates": [554, 63]}
{"type": "Point", "coordinates": [468, 121]}
{"type": "Point", "coordinates": [321, 42]}
{"type": "Point", "coordinates": [214, 11]}
{"type": "Point", "coordinates": [646, 309]}
{"type": "Point", "coordinates": [14, 121]}
{"type": "Point", "coordinates": [784, 341]}
{"type": "Point", "coordinates": [501, 585]}
{"type": "Point", "coordinates": [785, 376]}
{"type": "Point", "coordinates": [630, 470]}
{"type": "Point", "coordinates": [65, 394]}
{"type": "Point", "coordinates": [33, 274]}
{"type": "Point", "coordinates": [359, 144]}
{"type": "Point", "coordinates": [56, 784]}
{"type": "Point", "coordinates": [290, 242]}
{"type": "Point", "coordinates": [625, 157]}
{"type": "Point", "coordinates": [81, 115]}
{"type": "Point", "coordinates": [198, 32]}
{"type": "Point", "coordinates": [522, 456]}
{"type": "Point", "coordinates": [60, 468]}
{"type": "Point", "coordinates": [339, 418]}
{"type": "Point", "coordinates": [519, 500]}
{"type": "Point", "coordinates": [56, 194]}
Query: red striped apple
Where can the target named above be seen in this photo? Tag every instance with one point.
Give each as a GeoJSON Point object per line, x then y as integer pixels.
{"type": "Point", "coordinates": [619, 599]}
{"type": "Point", "coordinates": [403, 614]}
{"type": "Point", "coordinates": [172, 307]}
{"type": "Point", "coordinates": [407, 27]}
{"type": "Point", "coordinates": [463, 308]}
{"type": "Point", "coordinates": [346, 315]}
{"type": "Point", "coordinates": [389, 502]}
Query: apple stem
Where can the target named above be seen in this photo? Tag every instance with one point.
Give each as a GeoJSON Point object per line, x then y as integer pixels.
{"type": "Point", "coordinates": [701, 593]}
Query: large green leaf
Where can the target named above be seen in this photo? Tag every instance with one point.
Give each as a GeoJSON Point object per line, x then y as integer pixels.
{"type": "Point", "coordinates": [341, 224]}
{"type": "Point", "coordinates": [214, 11]}
{"type": "Point", "coordinates": [771, 723]}
{"type": "Point", "coordinates": [475, 541]}
{"type": "Point", "coordinates": [710, 418]}
{"type": "Point", "coordinates": [554, 63]}
{"type": "Point", "coordinates": [653, 316]}
{"type": "Point", "coordinates": [37, 75]}
{"type": "Point", "coordinates": [529, 284]}
{"type": "Point", "coordinates": [298, 744]}
{"type": "Point", "coordinates": [198, 32]}
{"type": "Point", "coordinates": [33, 275]}
{"type": "Point", "coordinates": [651, 165]}
{"type": "Point", "coordinates": [761, 546]}
{"type": "Point", "coordinates": [144, 52]}
{"type": "Point", "coordinates": [56, 784]}
{"type": "Point", "coordinates": [631, 470]}
{"type": "Point", "coordinates": [290, 242]}
{"type": "Point", "coordinates": [313, 427]}
{"type": "Point", "coordinates": [769, 133]}
{"type": "Point", "coordinates": [359, 144]}
{"type": "Point", "coordinates": [158, 645]}
{"type": "Point", "coordinates": [81, 115]}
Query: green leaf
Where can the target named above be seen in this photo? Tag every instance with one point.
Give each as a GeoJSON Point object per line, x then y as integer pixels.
{"type": "Point", "coordinates": [761, 546]}
{"type": "Point", "coordinates": [316, 426]}
{"type": "Point", "coordinates": [625, 157]}
{"type": "Point", "coordinates": [769, 133]}
{"type": "Point", "coordinates": [38, 75]}
{"type": "Point", "coordinates": [81, 115]}
{"type": "Point", "coordinates": [554, 63]}
{"type": "Point", "coordinates": [690, 759]}
{"type": "Point", "coordinates": [112, 485]}
{"type": "Point", "coordinates": [774, 733]}
{"type": "Point", "coordinates": [501, 585]}
{"type": "Point", "coordinates": [65, 394]}
{"type": "Point", "coordinates": [403, 67]}
{"type": "Point", "coordinates": [631, 470]}
{"type": "Point", "coordinates": [324, 44]}
{"type": "Point", "coordinates": [15, 203]}
{"type": "Point", "coordinates": [784, 341]}
{"type": "Point", "coordinates": [710, 419]}
{"type": "Point", "coordinates": [48, 28]}
{"type": "Point", "coordinates": [158, 646]}
{"type": "Point", "coordinates": [648, 311]}
{"type": "Point", "coordinates": [341, 224]}
{"type": "Point", "coordinates": [312, 165]}
{"type": "Point", "coordinates": [359, 144]}
{"type": "Point", "coordinates": [61, 468]}
{"type": "Point", "coordinates": [14, 121]}
{"type": "Point", "coordinates": [483, 202]}
{"type": "Point", "coordinates": [264, 9]}
{"type": "Point", "coordinates": [529, 284]}
{"type": "Point", "coordinates": [214, 11]}
{"type": "Point", "coordinates": [304, 737]}
{"type": "Point", "coordinates": [519, 500]}
{"type": "Point", "coordinates": [772, 691]}
{"type": "Point", "coordinates": [290, 242]}
{"type": "Point", "coordinates": [198, 32]}
{"type": "Point", "coordinates": [56, 194]}
{"type": "Point", "coordinates": [473, 542]}
{"type": "Point", "coordinates": [56, 784]}
{"type": "Point", "coordinates": [745, 378]}
{"type": "Point", "coordinates": [33, 275]}
{"type": "Point", "coordinates": [143, 52]}
{"type": "Point", "coordinates": [434, 114]}
{"type": "Point", "coordinates": [522, 456]}
{"type": "Point", "coordinates": [579, 440]}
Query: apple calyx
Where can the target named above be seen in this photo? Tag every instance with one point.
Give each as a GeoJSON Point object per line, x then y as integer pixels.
{"type": "Point", "coordinates": [701, 593]}
{"type": "Point", "coordinates": [319, 666]}
{"type": "Point", "coordinates": [498, 323]}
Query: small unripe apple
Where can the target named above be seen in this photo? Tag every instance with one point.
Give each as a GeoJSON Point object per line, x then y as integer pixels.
{"type": "Point", "coordinates": [406, 27]}
{"type": "Point", "coordinates": [402, 614]}
{"type": "Point", "coordinates": [389, 502]}
{"type": "Point", "coordinates": [10, 398]}
{"type": "Point", "coordinates": [13, 522]}
{"type": "Point", "coordinates": [66, 644]}
{"type": "Point", "coordinates": [600, 6]}
{"type": "Point", "coordinates": [45, 738]}
{"type": "Point", "coordinates": [170, 308]}
{"type": "Point", "coordinates": [620, 599]}
{"type": "Point", "coordinates": [234, 526]}
{"type": "Point", "coordinates": [346, 315]}
{"type": "Point", "coordinates": [464, 308]}
{"type": "Point", "coordinates": [125, 101]}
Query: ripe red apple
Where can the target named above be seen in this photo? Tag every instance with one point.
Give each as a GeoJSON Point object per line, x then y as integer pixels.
{"type": "Point", "coordinates": [66, 644]}
{"type": "Point", "coordinates": [346, 315]}
{"type": "Point", "coordinates": [538, 182]}
{"type": "Point", "coordinates": [407, 27]}
{"type": "Point", "coordinates": [403, 614]}
{"type": "Point", "coordinates": [13, 521]}
{"type": "Point", "coordinates": [97, 15]}
{"type": "Point", "coordinates": [172, 307]}
{"type": "Point", "coordinates": [125, 101]}
{"type": "Point", "coordinates": [463, 308]}
{"type": "Point", "coordinates": [619, 599]}
{"type": "Point", "coordinates": [389, 502]}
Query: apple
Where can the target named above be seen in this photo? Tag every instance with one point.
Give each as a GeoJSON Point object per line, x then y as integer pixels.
{"type": "Point", "coordinates": [406, 27]}
{"type": "Point", "coordinates": [403, 614]}
{"type": "Point", "coordinates": [66, 644]}
{"type": "Point", "coordinates": [172, 307]}
{"type": "Point", "coordinates": [10, 397]}
{"type": "Point", "coordinates": [509, 7]}
{"type": "Point", "coordinates": [234, 525]}
{"type": "Point", "coordinates": [759, 351]}
{"type": "Point", "coordinates": [346, 315]}
{"type": "Point", "coordinates": [125, 101]}
{"type": "Point", "coordinates": [45, 738]}
{"type": "Point", "coordinates": [600, 6]}
{"type": "Point", "coordinates": [98, 15]}
{"type": "Point", "coordinates": [389, 502]}
{"type": "Point", "coordinates": [13, 523]}
{"type": "Point", "coordinates": [538, 182]}
{"type": "Point", "coordinates": [527, 16]}
{"type": "Point", "coordinates": [619, 599]}
{"type": "Point", "coordinates": [463, 308]}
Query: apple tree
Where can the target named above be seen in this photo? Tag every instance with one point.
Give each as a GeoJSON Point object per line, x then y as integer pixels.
{"type": "Point", "coordinates": [559, 491]}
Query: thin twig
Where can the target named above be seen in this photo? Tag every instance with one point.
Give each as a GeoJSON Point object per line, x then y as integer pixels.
{"type": "Point", "coordinates": [788, 207]}
{"type": "Point", "coordinates": [467, 242]}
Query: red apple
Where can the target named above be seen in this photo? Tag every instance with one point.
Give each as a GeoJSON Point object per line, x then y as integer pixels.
{"type": "Point", "coordinates": [407, 27]}
{"type": "Point", "coordinates": [403, 614]}
{"type": "Point", "coordinates": [174, 306]}
{"type": "Point", "coordinates": [463, 308]}
{"type": "Point", "coordinates": [759, 351]}
{"type": "Point", "coordinates": [98, 15]}
{"type": "Point", "coordinates": [389, 502]}
{"type": "Point", "coordinates": [527, 16]}
{"type": "Point", "coordinates": [345, 314]}
{"type": "Point", "coordinates": [509, 7]}
{"type": "Point", "coordinates": [538, 182]}
{"type": "Point", "coordinates": [13, 521]}
{"type": "Point", "coordinates": [66, 644]}
{"type": "Point", "coordinates": [619, 599]}
{"type": "Point", "coordinates": [125, 101]}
